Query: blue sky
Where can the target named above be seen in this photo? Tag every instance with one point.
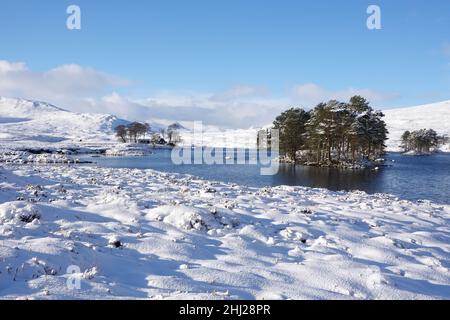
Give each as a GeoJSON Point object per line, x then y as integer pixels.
{"type": "Point", "coordinates": [259, 53]}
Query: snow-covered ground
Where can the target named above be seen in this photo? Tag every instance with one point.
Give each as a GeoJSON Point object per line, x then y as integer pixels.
{"type": "Point", "coordinates": [145, 234]}
{"type": "Point", "coordinates": [215, 137]}
{"type": "Point", "coordinates": [434, 116]}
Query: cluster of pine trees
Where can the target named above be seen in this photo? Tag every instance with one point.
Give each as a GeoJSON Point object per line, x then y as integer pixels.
{"type": "Point", "coordinates": [422, 141]}
{"type": "Point", "coordinates": [332, 133]}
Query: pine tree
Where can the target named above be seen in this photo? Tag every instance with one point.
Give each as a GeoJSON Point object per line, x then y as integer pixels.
{"type": "Point", "coordinates": [420, 141]}
{"type": "Point", "coordinates": [292, 126]}
{"type": "Point", "coordinates": [336, 132]}
{"type": "Point", "coordinates": [405, 141]}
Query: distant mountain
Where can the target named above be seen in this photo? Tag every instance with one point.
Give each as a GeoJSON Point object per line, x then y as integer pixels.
{"type": "Point", "coordinates": [430, 116]}
{"type": "Point", "coordinates": [39, 123]}
{"type": "Point", "coordinates": [20, 107]}
{"type": "Point", "coordinates": [176, 126]}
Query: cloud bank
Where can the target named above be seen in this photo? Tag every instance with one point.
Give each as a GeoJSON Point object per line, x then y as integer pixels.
{"type": "Point", "coordinates": [85, 89]}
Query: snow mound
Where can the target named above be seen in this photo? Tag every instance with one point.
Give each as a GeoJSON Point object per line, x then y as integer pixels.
{"type": "Point", "coordinates": [129, 150]}
{"type": "Point", "coordinates": [18, 212]}
{"type": "Point", "coordinates": [188, 218]}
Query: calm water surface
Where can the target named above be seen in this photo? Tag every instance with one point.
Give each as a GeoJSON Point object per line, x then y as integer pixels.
{"type": "Point", "coordinates": [412, 178]}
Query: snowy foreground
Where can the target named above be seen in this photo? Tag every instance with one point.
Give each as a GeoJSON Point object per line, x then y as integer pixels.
{"type": "Point", "coordinates": [144, 234]}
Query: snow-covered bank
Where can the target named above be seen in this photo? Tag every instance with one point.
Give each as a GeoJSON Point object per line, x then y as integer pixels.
{"type": "Point", "coordinates": [144, 234]}
{"type": "Point", "coordinates": [434, 116]}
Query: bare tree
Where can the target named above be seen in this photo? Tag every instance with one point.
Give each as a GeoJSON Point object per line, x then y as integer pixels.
{"type": "Point", "coordinates": [121, 133]}
{"type": "Point", "coordinates": [136, 130]}
{"type": "Point", "coordinates": [132, 132]}
{"type": "Point", "coordinates": [172, 133]}
{"type": "Point", "coordinates": [133, 129]}
{"type": "Point", "coordinates": [146, 129]}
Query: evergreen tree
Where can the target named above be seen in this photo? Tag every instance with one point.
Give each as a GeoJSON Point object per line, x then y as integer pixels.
{"type": "Point", "coordinates": [292, 127]}
{"type": "Point", "coordinates": [359, 105]}
{"type": "Point", "coordinates": [405, 141]}
{"type": "Point", "coordinates": [421, 141]}
{"type": "Point", "coordinates": [334, 132]}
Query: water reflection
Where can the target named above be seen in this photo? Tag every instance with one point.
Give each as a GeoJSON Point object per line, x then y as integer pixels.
{"type": "Point", "coordinates": [407, 177]}
{"type": "Point", "coordinates": [330, 178]}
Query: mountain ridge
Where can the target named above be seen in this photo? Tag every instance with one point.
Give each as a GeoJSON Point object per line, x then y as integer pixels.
{"type": "Point", "coordinates": [37, 123]}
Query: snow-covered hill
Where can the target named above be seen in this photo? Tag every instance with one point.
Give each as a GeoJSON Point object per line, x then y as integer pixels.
{"type": "Point", "coordinates": [430, 116]}
{"type": "Point", "coordinates": [26, 123]}
{"type": "Point", "coordinates": [32, 123]}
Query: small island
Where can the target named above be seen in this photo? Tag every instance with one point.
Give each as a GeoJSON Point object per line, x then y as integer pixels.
{"type": "Point", "coordinates": [333, 134]}
{"type": "Point", "coordinates": [422, 142]}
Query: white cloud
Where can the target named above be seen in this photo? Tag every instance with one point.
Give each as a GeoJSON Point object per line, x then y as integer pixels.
{"type": "Point", "coordinates": [7, 67]}
{"type": "Point", "coordinates": [84, 89]}
{"type": "Point", "coordinates": [64, 85]}
{"type": "Point", "coordinates": [188, 108]}
{"type": "Point", "coordinates": [242, 91]}
{"type": "Point", "coordinates": [310, 94]}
